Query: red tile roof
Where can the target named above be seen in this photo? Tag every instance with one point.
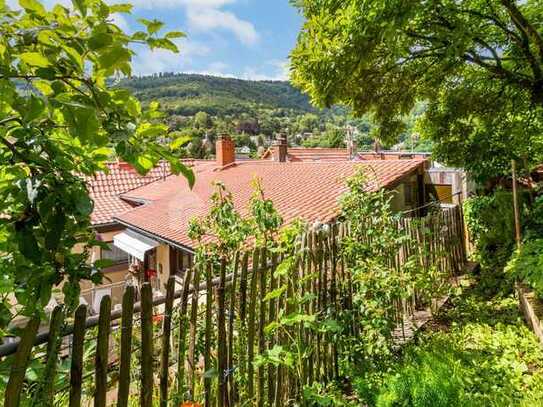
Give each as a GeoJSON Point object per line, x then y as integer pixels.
{"type": "Point", "coordinates": [308, 190]}
{"type": "Point", "coordinates": [296, 154]}
{"type": "Point", "coordinates": [105, 188]}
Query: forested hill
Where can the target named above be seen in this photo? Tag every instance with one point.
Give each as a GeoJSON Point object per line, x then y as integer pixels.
{"type": "Point", "coordinates": [188, 94]}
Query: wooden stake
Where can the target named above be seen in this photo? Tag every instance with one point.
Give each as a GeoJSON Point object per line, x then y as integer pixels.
{"type": "Point", "coordinates": [515, 204]}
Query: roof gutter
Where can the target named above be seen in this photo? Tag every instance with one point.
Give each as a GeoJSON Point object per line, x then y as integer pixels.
{"type": "Point", "coordinates": [156, 237]}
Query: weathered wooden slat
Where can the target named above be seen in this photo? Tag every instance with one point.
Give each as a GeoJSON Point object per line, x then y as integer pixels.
{"type": "Point", "coordinates": [45, 395]}
{"type": "Point", "coordinates": [14, 387]}
{"type": "Point", "coordinates": [183, 323]}
{"type": "Point", "coordinates": [102, 350]}
{"type": "Point", "coordinates": [271, 317]}
{"type": "Point", "coordinates": [208, 365]}
{"type": "Point", "coordinates": [193, 326]}
{"type": "Point", "coordinates": [222, 351]}
{"type": "Point", "coordinates": [261, 324]}
{"type": "Point", "coordinates": [242, 325]}
{"type": "Point", "coordinates": [146, 394]}
{"type": "Point", "coordinates": [78, 346]}
{"type": "Point", "coordinates": [231, 318]}
{"type": "Point", "coordinates": [251, 326]}
{"type": "Point", "coordinates": [166, 336]}
{"type": "Point", "coordinates": [123, 390]}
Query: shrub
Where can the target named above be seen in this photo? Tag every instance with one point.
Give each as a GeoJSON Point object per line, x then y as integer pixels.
{"type": "Point", "coordinates": [527, 265]}
{"type": "Point", "coordinates": [491, 223]}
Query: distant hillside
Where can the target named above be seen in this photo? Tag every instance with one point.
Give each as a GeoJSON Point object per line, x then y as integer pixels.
{"type": "Point", "coordinates": [188, 94]}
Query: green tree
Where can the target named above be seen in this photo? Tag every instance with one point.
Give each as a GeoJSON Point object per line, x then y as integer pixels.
{"type": "Point", "coordinates": [202, 120]}
{"type": "Point", "coordinates": [479, 64]}
{"type": "Point", "coordinates": [59, 122]}
{"type": "Point", "coordinates": [307, 123]}
{"type": "Point", "coordinates": [331, 138]}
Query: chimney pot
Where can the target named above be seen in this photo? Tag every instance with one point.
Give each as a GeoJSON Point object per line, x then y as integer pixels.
{"type": "Point", "coordinates": [225, 150]}
{"type": "Point", "coordinates": [281, 148]}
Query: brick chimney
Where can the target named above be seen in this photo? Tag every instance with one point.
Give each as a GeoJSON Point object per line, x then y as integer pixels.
{"type": "Point", "coordinates": [225, 150]}
{"type": "Point", "coordinates": [281, 148]}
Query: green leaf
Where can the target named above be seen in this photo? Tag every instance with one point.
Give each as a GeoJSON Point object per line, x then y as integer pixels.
{"type": "Point", "coordinates": [152, 130]}
{"type": "Point", "coordinates": [153, 26]}
{"type": "Point", "coordinates": [294, 319]}
{"type": "Point", "coordinates": [139, 36]}
{"type": "Point", "coordinates": [35, 59]}
{"type": "Point", "coordinates": [100, 40]}
{"type": "Point", "coordinates": [275, 293]}
{"type": "Point", "coordinates": [55, 227]}
{"type": "Point", "coordinates": [114, 57]}
{"type": "Point", "coordinates": [74, 56]}
{"type": "Point", "coordinates": [32, 6]}
{"type": "Point", "coordinates": [175, 34]}
{"type": "Point", "coordinates": [178, 167]}
{"type": "Point", "coordinates": [271, 327]}
{"type": "Point", "coordinates": [81, 6]}
{"type": "Point", "coordinates": [121, 8]}
{"type": "Point", "coordinates": [145, 163]}
{"type": "Point", "coordinates": [180, 141]}
{"type": "Point", "coordinates": [84, 204]}
{"type": "Point", "coordinates": [84, 123]}
{"type": "Point", "coordinates": [35, 107]}
{"type": "Point", "coordinates": [28, 245]}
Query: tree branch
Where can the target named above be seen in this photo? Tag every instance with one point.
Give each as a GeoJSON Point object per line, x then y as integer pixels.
{"type": "Point", "coordinates": [524, 25]}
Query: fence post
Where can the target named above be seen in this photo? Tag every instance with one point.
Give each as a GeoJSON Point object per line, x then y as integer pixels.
{"type": "Point", "coordinates": [222, 356]}
{"type": "Point", "coordinates": [231, 318]}
{"type": "Point", "coordinates": [182, 335]}
{"type": "Point", "coordinates": [78, 347]}
{"type": "Point", "coordinates": [207, 350]}
{"type": "Point", "coordinates": [251, 326]}
{"type": "Point", "coordinates": [45, 394]}
{"type": "Point", "coordinates": [192, 331]}
{"type": "Point", "coordinates": [102, 350]}
{"type": "Point", "coordinates": [146, 345]}
{"type": "Point", "coordinates": [126, 347]}
{"type": "Point", "coordinates": [166, 333]}
{"type": "Point", "coordinates": [18, 369]}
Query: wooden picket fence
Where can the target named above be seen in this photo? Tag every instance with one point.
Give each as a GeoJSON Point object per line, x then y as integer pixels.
{"type": "Point", "coordinates": [204, 344]}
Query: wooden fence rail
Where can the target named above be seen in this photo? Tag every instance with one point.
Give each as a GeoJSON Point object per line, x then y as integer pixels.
{"type": "Point", "coordinates": [213, 343]}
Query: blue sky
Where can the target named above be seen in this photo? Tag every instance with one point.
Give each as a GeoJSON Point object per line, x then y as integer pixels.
{"type": "Point", "coordinates": [249, 39]}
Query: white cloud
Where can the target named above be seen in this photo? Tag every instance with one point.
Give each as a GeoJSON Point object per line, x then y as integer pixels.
{"type": "Point", "coordinates": [207, 15]}
{"type": "Point", "coordinates": [208, 19]}
{"type": "Point", "coordinates": [147, 62]}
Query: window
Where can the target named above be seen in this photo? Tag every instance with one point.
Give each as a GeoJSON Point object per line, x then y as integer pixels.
{"type": "Point", "coordinates": [183, 261]}
{"type": "Point", "coordinates": [114, 254]}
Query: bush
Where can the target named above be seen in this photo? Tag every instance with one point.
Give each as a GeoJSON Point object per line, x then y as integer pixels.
{"type": "Point", "coordinates": [491, 223]}
{"type": "Point", "coordinates": [527, 265]}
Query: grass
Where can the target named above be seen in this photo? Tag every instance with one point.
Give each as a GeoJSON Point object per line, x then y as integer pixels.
{"type": "Point", "coordinates": [477, 352]}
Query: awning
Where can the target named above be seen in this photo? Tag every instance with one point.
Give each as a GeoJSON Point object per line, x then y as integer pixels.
{"type": "Point", "coordinates": [134, 244]}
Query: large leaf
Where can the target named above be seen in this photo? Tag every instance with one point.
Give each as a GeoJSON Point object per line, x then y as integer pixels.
{"type": "Point", "coordinates": [153, 26]}
{"type": "Point", "coordinates": [114, 57]}
{"type": "Point", "coordinates": [32, 6]}
{"type": "Point", "coordinates": [35, 59]}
